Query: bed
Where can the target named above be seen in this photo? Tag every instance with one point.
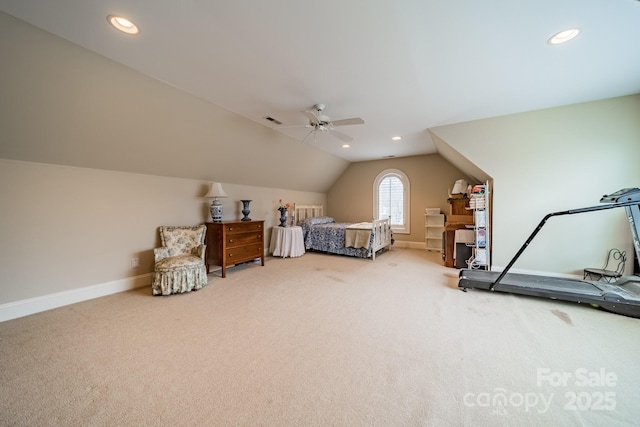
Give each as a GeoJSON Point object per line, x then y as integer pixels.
{"type": "Point", "coordinates": [322, 233]}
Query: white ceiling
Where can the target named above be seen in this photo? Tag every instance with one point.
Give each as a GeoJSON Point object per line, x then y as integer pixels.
{"type": "Point", "coordinates": [404, 66]}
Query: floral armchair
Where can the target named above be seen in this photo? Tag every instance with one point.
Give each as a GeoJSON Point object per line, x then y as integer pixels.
{"type": "Point", "coordinates": [179, 263]}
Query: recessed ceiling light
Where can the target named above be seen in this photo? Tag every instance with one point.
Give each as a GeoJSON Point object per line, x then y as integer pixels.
{"type": "Point", "coordinates": [396, 138]}
{"type": "Point", "coordinates": [345, 146]}
{"type": "Point", "coordinates": [123, 24]}
{"type": "Point", "coordinates": [564, 36]}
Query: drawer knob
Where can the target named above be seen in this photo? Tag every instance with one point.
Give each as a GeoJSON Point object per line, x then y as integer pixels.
{"type": "Point", "coordinates": [230, 240]}
{"type": "Point", "coordinates": [230, 255]}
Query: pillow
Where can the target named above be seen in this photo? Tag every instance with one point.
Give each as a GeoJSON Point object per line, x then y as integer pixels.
{"type": "Point", "coordinates": [320, 220]}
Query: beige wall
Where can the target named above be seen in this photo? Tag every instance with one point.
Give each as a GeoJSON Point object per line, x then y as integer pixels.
{"type": "Point", "coordinates": [430, 176]}
{"type": "Point", "coordinates": [64, 228]}
{"type": "Point", "coordinates": [553, 160]}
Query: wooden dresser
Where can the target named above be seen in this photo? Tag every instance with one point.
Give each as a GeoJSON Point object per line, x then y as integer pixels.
{"type": "Point", "coordinates": [234, 242]}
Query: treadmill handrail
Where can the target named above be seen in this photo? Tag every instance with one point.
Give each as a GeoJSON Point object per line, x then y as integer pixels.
{"type": "Point", "coordinates": [545, 219]}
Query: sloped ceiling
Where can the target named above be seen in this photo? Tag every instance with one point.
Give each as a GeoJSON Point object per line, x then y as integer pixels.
{"type": "Point", "coordinates": [403, 66]}
{"type": "Point", "coordinates": [64, 105]}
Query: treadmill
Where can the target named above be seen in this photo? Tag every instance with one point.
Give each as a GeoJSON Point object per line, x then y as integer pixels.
{"type": "Point", "coordinates": [621, 297]}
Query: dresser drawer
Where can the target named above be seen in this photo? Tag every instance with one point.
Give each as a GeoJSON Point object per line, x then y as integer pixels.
{"type": "Point", "coordinates": [241, 239]}
{"type": "Point", "coordinates": [244, 253]}
{"type": "Point", "coordinates": [245, 227]}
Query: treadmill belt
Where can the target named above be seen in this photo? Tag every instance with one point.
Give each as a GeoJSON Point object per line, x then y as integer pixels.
{"type": "Point", "coordinates": [552, 284]}
{"type": "Point", "coordinates": [627, 291]}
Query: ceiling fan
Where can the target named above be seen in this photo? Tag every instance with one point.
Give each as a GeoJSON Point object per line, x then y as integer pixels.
{"type": "Point", "coordinates": [318, 122]}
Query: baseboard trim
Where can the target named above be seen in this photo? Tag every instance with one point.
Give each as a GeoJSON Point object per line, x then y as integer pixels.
{"type": "Point", "coordinates": [26, 307]}
{"type": "Point", "coordinates": [408, 245]}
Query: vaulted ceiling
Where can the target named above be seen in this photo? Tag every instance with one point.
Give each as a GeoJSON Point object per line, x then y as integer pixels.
{"type": "Point", "coordinates": [403, 66]}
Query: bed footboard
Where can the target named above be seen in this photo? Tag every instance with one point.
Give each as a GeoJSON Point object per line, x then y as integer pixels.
{"type": "Point", "coordinates": [381, 235]}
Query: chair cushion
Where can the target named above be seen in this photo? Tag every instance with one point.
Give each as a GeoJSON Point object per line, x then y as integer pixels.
{"type": "Point", "coordinates": [180, 261]}
{"type": "Point", "coordinates": [182, 240]}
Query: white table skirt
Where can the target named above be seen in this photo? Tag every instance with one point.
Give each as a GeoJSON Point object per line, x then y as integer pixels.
{"type": "Point", "coordinates": [287, 242]}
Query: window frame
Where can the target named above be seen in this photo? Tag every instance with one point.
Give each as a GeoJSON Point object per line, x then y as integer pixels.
{"type": "Point", "coordinates": [406, 199]}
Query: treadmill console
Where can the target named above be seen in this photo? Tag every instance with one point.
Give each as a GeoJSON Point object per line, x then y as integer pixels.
{"type": "Point", "coordinates": [622, 196]}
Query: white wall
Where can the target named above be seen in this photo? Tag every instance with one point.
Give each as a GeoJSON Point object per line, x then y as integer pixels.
{"type": "Point", "coordinates": [553, 160]}
{"type": "Point", "coordinates": [65, 228]}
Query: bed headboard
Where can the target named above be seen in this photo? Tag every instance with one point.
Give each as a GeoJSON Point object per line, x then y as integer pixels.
{"type": "Point", "coordinates": [303, 212]}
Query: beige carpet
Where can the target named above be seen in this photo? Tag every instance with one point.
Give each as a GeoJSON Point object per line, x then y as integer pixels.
{"type": "Point", "coordinates": [322, 340]}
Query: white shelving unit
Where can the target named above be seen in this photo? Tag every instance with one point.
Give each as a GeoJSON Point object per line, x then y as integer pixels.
{"type": "Point", "coordinates": [479, 203]}
{"type": "Point", "coordinates": [433, 229]}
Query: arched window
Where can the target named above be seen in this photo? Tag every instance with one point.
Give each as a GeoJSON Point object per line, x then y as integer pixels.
{"type": "Point", "coordinates": [391, 199]}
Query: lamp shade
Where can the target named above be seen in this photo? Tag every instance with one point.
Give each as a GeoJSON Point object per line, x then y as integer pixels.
{"type": "Point", "coordinates": [216, 191]}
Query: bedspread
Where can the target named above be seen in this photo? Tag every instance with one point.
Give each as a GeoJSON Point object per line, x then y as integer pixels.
{"type": "Point", "coordinates": [358, 235]}
{"type": "Point", "coordinates": [331, 238]}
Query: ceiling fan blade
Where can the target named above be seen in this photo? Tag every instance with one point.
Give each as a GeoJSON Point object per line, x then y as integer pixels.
{"type": "Point", "coordinates": [345, 122]}
{"type": "Point", "coordinates": [291, 126]}
{"type": "Point", "coordinates": [340, 135]}
{"type": "Point", "coordinates": [313, 118]}
{"type": "Point", "coordinates": [312, 131]}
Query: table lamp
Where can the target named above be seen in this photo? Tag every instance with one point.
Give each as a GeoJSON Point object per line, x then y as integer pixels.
{"type": "Point", "coordinates": [216, 192]}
